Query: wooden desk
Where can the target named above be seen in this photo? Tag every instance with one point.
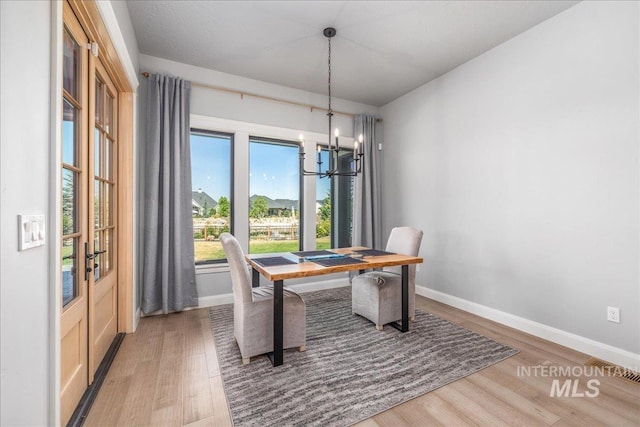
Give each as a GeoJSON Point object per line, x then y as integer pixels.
{"type": "Point", "coordinates": [278, 274]}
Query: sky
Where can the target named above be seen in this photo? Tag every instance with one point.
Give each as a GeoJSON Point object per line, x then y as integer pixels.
{"type": "Point", "coordinates": [211, 165]}
{"type": "Point", "coordinates": [274, 169]}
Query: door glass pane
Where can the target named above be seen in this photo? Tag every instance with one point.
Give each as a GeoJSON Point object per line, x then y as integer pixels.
{"type": "Point", "coordinates": [97, 211]}
{"type": "Point", "coordinates": [107, 257]}
{"type": "Point", "coordinates": [323, 206]}
{"type": "Point", "coordinates": [99, 113]}
{"type": "Point", "coordinates": [107, 204]}
{"type": "Point", "coordinates": [97, 247]}
{"type": "Point", "coordinates": [69, 119]}
{"type": "Point", "coordinates": [108, 146]}
{"type": "Point", "coordinates": [274, 185]}
{"type": "Point", "coordinates": [108, 116]}
{"type": "Point", "coordinates": [69, 201]}
{"type": "Point", "coordinates": [96, 152]}
{"type": "Point", "coordinates": [70, 64]}
{"type": "Point", "coordinates": [69, 270]}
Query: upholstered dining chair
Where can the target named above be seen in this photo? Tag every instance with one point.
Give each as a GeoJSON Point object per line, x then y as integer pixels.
{"type": "Point", "coordinates": [377, 295]}
{"type": "Point", "coordinates": [253, 309]}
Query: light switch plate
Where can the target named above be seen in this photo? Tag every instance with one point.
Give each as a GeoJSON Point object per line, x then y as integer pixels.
{"type": "Point", "coordinates": [31, 231]}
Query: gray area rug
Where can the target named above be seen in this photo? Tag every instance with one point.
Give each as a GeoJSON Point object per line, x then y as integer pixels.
{"type": "Point", "coordinates": [350, 370]}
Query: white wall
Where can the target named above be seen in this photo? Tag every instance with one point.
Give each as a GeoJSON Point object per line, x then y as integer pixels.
{"type": "Point", "coordinates": [264, 114]}
{"type": "Point", "coordinates": [24, 189]}
{"type": "Point", "coordinates": [125, 27]}
{"type": "Point", "coordinates": [231, 106]}
{"type": "Point", "coordinates": [29, 159]}
{"type": "Point", "coordinates": [522, 168]}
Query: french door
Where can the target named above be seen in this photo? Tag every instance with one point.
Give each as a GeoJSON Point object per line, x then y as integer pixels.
{"type": "Point", "coordinates": [88, 320]}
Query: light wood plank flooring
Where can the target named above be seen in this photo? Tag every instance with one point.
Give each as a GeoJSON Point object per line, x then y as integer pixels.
{"type": "Point", "coordinates": [167, 374]}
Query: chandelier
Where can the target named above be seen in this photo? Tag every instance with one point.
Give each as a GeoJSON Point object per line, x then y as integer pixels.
{"type": "Point", "coordinates": [332, 168]}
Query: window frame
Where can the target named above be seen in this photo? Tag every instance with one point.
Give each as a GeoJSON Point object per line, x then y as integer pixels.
{"type": "Point", "coordinates": [301, 209]}
{"type": "Point", "coordinates": [215, 133]}
{"type": "Point", "coordinates": [336, 234]}
{"type": "Point", "coordinates": [242, 130]}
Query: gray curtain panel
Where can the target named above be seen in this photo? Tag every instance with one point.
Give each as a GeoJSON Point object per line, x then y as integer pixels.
{"type": "Point", "coordinates": [169, 279]}
{"type": "Point", "coordinates": [366, 201]}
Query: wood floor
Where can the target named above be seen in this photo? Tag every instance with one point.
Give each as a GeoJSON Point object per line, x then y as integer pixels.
{"type": "Point", "coordinates": [167, 374]}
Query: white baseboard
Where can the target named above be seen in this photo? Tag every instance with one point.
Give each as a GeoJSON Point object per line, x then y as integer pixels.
{"type": "Point", "coordinates": [597, 349]}
{"type": "Point", "coordinates": [210, 301]}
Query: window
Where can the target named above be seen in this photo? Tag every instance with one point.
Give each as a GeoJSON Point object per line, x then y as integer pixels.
{"type": "Point", "coordinates": [323, 207]}
{"type": "Point", "coordinates": [274, 202]}
{"type": "Point", "coordinates": [334, 204]}
{"type": "Point", "coordinates": [211, 182]}
{"type": "Point", "coordinates": [272, 212]}
{"type": "Point", "coordinates": [342, 202]}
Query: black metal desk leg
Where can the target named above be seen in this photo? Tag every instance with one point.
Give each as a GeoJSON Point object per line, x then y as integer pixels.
{"type": "Point", "coordinates": [405, 298]}
{"type": "Point", "coordinates": [255, 278]}
{"type": "Point", "coordinates": [277, 357]}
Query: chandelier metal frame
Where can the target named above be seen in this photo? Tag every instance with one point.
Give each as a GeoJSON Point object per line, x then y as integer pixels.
{"type": "Point", "coordinates": [334, 150]}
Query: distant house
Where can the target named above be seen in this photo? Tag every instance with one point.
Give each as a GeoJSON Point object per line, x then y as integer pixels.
{"type": "Point", "coordinates": [202, 203]}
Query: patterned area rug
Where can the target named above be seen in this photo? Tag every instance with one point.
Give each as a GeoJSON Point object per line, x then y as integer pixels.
{"type": "Point", "coordinates": [350, 370]}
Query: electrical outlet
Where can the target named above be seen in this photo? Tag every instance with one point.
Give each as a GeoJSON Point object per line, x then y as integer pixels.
{"type": "Point", "coordinates": [613, 314]}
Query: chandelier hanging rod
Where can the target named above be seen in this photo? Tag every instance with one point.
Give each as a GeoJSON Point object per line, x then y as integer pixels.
{"type": "Point", "coordinates": [334, 151]}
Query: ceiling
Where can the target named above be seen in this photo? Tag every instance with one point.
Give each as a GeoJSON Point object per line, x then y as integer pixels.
{"type": "Point", "coordinates": [383, 49]}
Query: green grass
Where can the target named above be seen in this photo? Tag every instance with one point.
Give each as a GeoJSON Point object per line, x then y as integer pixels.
{"type": "Point", "coordinates": [66, 251]}
{"type": "Point", "coordinates": [206, 250]}
{"type": "Point", "coordinates": [323, 243]}
{"type": "Point", "coordinates": [271, 246]}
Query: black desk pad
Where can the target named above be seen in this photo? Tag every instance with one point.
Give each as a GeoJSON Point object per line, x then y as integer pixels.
{"type": "Point", "coordinates": [333, 262]}
{"type": "Point", "coordinates": [373, 252]}
{"type": "Point", "coordinates": [273, 261]}
{"type": "Point", "coordinates": [312, 253]}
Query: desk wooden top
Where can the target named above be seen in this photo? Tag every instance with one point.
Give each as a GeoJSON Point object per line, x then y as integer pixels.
{"type": "Point", "coordinates": [310, 268]}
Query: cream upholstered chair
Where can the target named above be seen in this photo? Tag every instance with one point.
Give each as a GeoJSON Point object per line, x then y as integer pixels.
{"type": "Point", "coordinates": [253, 309]}
{"type": "Point", "coordinates": [377, 295]}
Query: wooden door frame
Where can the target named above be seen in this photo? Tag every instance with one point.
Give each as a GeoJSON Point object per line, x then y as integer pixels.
{"type": "Point", "coordinates": [90, 18]}
{"type": "Point", "coordinates": [118, 64]}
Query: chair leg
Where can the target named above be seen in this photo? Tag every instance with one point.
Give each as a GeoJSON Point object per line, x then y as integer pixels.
{"type": "Point", "coordinates": [302, 348]}
{"type": "Point", "coordinates": [379, 327]}
{"type": "Point", "coordinates": [246, 360]}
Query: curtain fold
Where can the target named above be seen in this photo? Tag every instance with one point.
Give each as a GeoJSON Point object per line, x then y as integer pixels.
{"type": "Point", "coordinates": [169, 280]}
{"type": "Point", "coordinates": [366, 202]}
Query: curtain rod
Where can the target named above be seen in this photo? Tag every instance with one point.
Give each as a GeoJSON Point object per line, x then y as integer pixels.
{"type": "Point", "coordinates": [267, 98]}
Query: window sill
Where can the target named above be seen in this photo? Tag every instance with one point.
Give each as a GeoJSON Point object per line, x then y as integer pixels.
{"type": "Point", "coordinates": [212, 268]}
